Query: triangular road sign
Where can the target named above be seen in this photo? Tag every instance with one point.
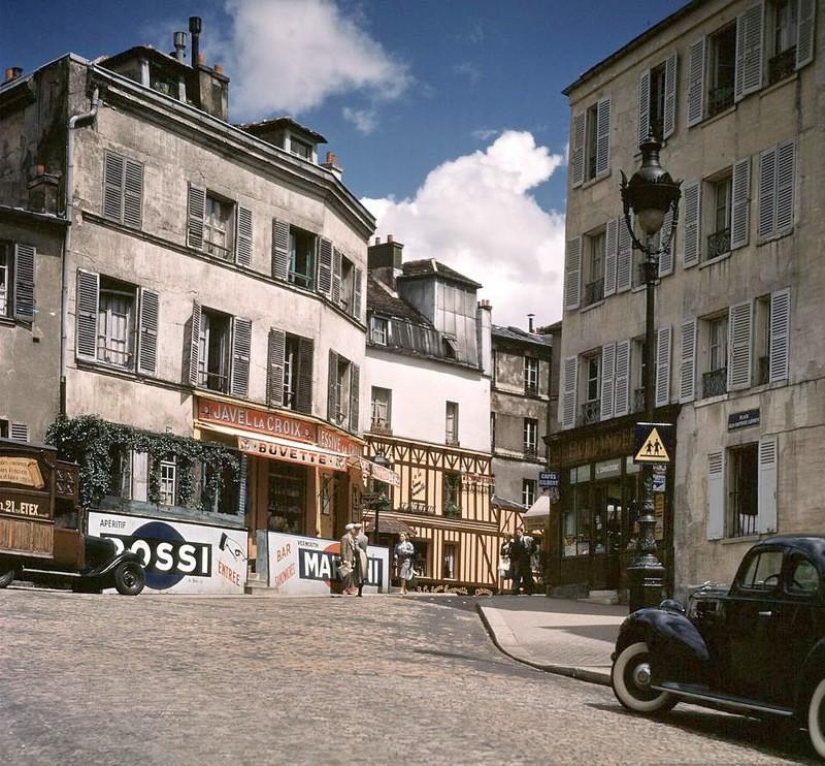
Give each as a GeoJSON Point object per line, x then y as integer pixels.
{"type": "Point", "coordinates": [653, 449]}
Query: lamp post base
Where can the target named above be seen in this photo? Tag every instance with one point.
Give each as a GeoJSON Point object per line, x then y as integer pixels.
{"type": "Point", "coordinates": [646, 578]}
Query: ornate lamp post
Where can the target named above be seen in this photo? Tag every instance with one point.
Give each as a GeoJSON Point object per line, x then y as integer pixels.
{"type": "Point", "coordinates": [649, 195]}
{"type": "Point", "coordinates": [378, 459]}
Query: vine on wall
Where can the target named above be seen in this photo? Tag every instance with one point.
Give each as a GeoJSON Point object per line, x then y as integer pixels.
{"type": "Point", "coordinates": [95, 444]}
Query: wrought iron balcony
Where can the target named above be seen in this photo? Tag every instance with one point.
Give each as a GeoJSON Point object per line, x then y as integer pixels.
{"type": "Point", "coordinates": [591, 412]}
{"type": "Point", "coordinates": [719, 243]}
{"type": "Point", "coordinates": [782, 65]}
{"type": "Point", "coordinates": [593, 292]}
{"type": "Point", "coordinates": [531, 388]}
{"type": "Point", "coordinates": [639, 399]}
{"type": "Point", "coordinates": [719, 99]}
{"type": "Point", "coordinates": [715, 382]}
{"type": "Point", "coordinates": [531, 452]}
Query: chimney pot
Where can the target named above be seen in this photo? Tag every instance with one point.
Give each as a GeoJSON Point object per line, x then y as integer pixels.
{"type": "Point", "coordinates": [390, 238]}
{"type": "Point", "coordinates": [201, 59]}
{"type": "Point", "coordinates": [218, 69]}
{"type": "Point", "coordinates": [378, 240]}
{"type": "Point", "coordinates": [12, 73]}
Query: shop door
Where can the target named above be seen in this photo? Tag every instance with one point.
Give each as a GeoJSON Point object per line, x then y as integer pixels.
{"type": "Point", "coordinates": [608, 524]}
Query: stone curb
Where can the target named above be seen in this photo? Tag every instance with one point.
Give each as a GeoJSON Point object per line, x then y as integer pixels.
{"type": "Point", "coordinates": [503, 637]}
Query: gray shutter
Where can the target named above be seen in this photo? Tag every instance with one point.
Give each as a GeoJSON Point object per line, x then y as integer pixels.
{"type": "Point", "coordinates": [332, 388]}
{"type": "Point", "coordinates": [644, 105]}
{"type": "Point", "coordinates": [577, 129]}
{"type": "Point", "coordinates": [280, 249]}
{"type": "Point", "coordinates": [666, 257]}
{"type": "Point", "coordinates": [193, 345]}
{"type": "Point", "coordinates": [572, 273]}
{"type": "Point", "coordinates": [624, 259]}
{"type": "Point", "coordinates": [740, 331]}
{"type": "Point", "coordinates": [696, 83]}
{"type": "Point", "coordinates": [325, 268]}
{"type": "Point", "coordinates": [306, 354]}
{"type": "Point", "coordinates": [241, 352]}
{"type": "Point", "coordinates": [780, 335]}
{"type": "Point", "coordinates": [805, 38]}
{"type": "Point", "coordinates": [766, 487]}
{"type": "Point", "coordinates": [767, 192]}
{"type": "Point", "coordinates": [113, 170]}
{"type": "Point", "coordinates": [687, 369]}
{"type": "Point", "coordinates": [20, 432]}
{"type": "Point", "coordinates": [740, 203]}
{"type": "Point", "coordinates": [197, 210]}
{"type": "Point", "coordinates": [716, 494]}
{"type": "Point", "coordinates": [148, 325]}
{"type": "Point", "coordinates": [611, 255]}
{"type": "Point", "coordinates": [671, 83]}
{"type": "Point", "coordinates": [357, 293]}
{"type": "Point", "coordinates": [621, 399]}
{"type": "Point", "coordinates": [748, 78]}
{"type": "Point", "coordinates": [24, 257]}
{"type": "Point", "coordinates": [243, 248]}
{"type": "Point", "coordinates": [693, 224]}
{"type": "Point", "coordinates": [275, 368]}
{"type": "Point", "coordinates": [608, 380]}
{"type": "Point", "coordinates": [784, 186]}
{"type": "Point", "coordinates": [354, 396]}
{"type": "Point", "coordinates": [88, 290]}
{"type": "Point", "coordinates": [133, 194]}
{"type": "Point", "coordinates": [337, 265]}
{"type": "Point", "coordinates": [568, 397]}
{"type": "Point", "coordinates": [663, 366]}
{"type": "Point", "coordinates": [603, 137]}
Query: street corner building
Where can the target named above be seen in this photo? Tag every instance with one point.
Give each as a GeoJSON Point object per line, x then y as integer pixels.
{"type": "Point", "coordinates": [733, 90]}
{"type": "Point", "coordinates": [194, 292]}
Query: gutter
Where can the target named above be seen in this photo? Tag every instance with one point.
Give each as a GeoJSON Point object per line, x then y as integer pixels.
{"type": "Point", "coordinates": [78, 121]}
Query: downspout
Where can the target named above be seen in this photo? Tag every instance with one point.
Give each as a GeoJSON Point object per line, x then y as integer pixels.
{"type": "Point", "coordinates": [78, 121]}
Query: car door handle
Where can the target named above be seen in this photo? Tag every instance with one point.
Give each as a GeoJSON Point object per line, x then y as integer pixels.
{"type": "Point", "coordinates": [766, 614]}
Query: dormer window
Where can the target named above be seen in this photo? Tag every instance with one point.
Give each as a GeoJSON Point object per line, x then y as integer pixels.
{"type": "Point", "coordinates": [300, 148]}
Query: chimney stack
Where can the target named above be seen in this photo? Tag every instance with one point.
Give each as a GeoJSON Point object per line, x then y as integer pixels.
{"type": "Point", "coordinates": [384, 261]}
{"type": "Point", "coordinates": [332, 165]}
{"type": "Point", "coordinates": [195, 31]}
{"type": "Point", "coordinates": [530, 322]}
{"type": "Point", "coordinates": [12, 73]}
{"type": "Point", "coordinates": [179, 39]}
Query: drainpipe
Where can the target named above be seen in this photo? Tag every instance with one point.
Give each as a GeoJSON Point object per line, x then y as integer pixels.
{"type": "Point", "coordinates": [78, 121]}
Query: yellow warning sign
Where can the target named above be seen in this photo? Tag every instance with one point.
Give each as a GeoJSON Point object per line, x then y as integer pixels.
{"type": "Point", "coordinates": [653, 449]}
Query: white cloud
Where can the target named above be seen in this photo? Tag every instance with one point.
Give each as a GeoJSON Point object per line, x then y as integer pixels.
{"type": "Point", "coordinates": [484, 134]}
{"type": "Point", "coordinates": [289, 56]}
{"type": "Point", "coordinates": [476, 215]}
{"type": "Point", "coordinates": [364, 120]}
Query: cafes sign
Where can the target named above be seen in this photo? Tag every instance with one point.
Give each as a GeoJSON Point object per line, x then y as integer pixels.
{"type": "Point", "coordinates": [743, 419]}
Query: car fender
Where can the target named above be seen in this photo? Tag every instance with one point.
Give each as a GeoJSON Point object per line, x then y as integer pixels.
{"type": "Point", "coordinates": [112, 564]}
{"type": "Point", "coordinates": [663, 629]}
{"type": "Point", "coordinates": [811, 673]}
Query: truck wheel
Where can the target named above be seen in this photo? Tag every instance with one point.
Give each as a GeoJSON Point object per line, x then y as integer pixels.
{"type": "Point", "coordinates": [7, 574]}
{"type": "Point", "coordinates": [816, 718]}
{"type": "Point", "coordinates": [129, 578]}
{"type": "Point", "coordinates": [630, 678]}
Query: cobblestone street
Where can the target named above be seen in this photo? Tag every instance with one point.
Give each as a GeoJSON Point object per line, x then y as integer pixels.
{"type": "Point", "coordinates": [255, 680]}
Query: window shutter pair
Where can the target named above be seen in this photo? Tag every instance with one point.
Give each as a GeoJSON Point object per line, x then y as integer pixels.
{"type": "Point", "coordinates": [122, 190]}
{"type": "Point", "coordinates": [748, 75]}
{"type": "Point", "coordinates": [87, 310]}
{"type": "Point", "coordinates": [568, 398]}
{"type": "Point", "coordinates": [572, 274]}
{"type": "Point", "coordinates": [663, 366]}
{"type": "Point", "coordinates": [24, 258]}
{"type": "Point", "coordinates": [669, 116]}
{"type": "Point", "coordinates": [767, 464]}
{"type": "Point", "coordinates": [196, 207]}
{"type": "Point", "coordinates": [280, 249]}
{"type": "Point", "coordinates": [776, 189]}
{"type": "Point", "coordinates": [608, 381]}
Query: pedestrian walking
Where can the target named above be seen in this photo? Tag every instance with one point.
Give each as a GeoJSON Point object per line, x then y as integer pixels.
{"type": "Point", "coordinates": [405, 559]}
{"type": "Point", "coordinates": [521, 564]}
{"type": "Point", "coordinates": [504, 569]}
{"type": "Point", "coordinates": [346, 568]}
{"type": "Point", "coordinates": [360, 560]}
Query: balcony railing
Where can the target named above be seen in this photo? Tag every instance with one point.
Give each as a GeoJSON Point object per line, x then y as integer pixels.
{"type": "Point", "coordinates": [715, 382]}
{"type": "Point", "coordinates": [531, 451]}
{"type": "Point", "coordinates": [380, 426]}
{"type": "Point", "coordinates": [593, 292]}
{"type": "Point", "coordinates": [591, 412]}
{"type": "Point", "coordinates": [639, 399]}
{"type": "Point", "coordinates": [782, 65]}
{"type": "Point", "coordinates": [719, 99]}
{"type": "Point", "coordinates": [718, 243]}
{"type": "Point", "coordinates": [531, 388]}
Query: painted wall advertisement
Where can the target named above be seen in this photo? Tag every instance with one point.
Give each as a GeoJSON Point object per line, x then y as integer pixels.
{"type": "Point", "coordinates": [309, 565]}
{"type": "Point", "coordinates": [179, 557]}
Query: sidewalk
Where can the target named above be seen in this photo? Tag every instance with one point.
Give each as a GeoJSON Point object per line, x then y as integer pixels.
{"type": "Point", "coordinates": [573, 638]}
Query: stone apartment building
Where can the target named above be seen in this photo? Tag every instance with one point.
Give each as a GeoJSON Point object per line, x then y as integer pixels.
{"type": "Point", "coordinates": [428, 367]}
{"type": "Point", "coordinates": [735, 89]}
{"type": "Point", "coordinates": [189, 281]}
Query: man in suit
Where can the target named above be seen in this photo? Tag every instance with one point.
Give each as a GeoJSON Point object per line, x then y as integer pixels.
{"type": "Point", "coordinates": [521, 566]}
{"type": "Point", "coordinates": [346, 569]}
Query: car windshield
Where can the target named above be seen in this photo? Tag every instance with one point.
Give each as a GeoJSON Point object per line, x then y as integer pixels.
{"type": "Point", "coordinates": [763, 571]}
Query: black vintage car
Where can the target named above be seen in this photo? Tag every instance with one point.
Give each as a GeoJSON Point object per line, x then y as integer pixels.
{"type": "Point", "coordinates": [758, 648]}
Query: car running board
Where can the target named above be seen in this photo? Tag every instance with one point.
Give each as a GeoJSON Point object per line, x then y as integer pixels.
{"type": "Point", "coordinates": [58, 572]}
{"type": "Point", "coordinates": [690, 692]}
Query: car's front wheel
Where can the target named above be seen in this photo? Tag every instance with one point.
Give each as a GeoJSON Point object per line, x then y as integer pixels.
{"type": "Point", "coordinates": [129, 578]}
{"type": "Point", "coordinates": [7, 573]}
{"type": "Point", "coordinates": [816, 718]}
{"type": "Point", "coordinates": [631, 679]}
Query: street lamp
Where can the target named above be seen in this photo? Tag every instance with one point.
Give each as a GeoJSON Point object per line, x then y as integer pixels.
{"type": "Point", "coordinates": [378, 459]}
{"type": "Point", "coordinates": [650, 194]}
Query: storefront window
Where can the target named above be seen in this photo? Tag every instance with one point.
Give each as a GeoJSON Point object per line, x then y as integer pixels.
{"type": "Point", "coordinates": [287, 498]}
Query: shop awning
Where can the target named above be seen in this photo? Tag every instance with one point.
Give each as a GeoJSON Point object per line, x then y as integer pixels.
{"type": "Point", "coordinates": [390, 526]}
{"type": "Point", "coordinates": [378, 472]}
{"type": "Point", "coordinates": [282, 449]}
{"type": "Point", "coordinates": [538, 514]}
{"type": "Point", "coordinates": [506, 505]}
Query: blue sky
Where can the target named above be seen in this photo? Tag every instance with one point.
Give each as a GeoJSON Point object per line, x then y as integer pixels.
{"type": "Point", "coordinates": [446, 115]}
